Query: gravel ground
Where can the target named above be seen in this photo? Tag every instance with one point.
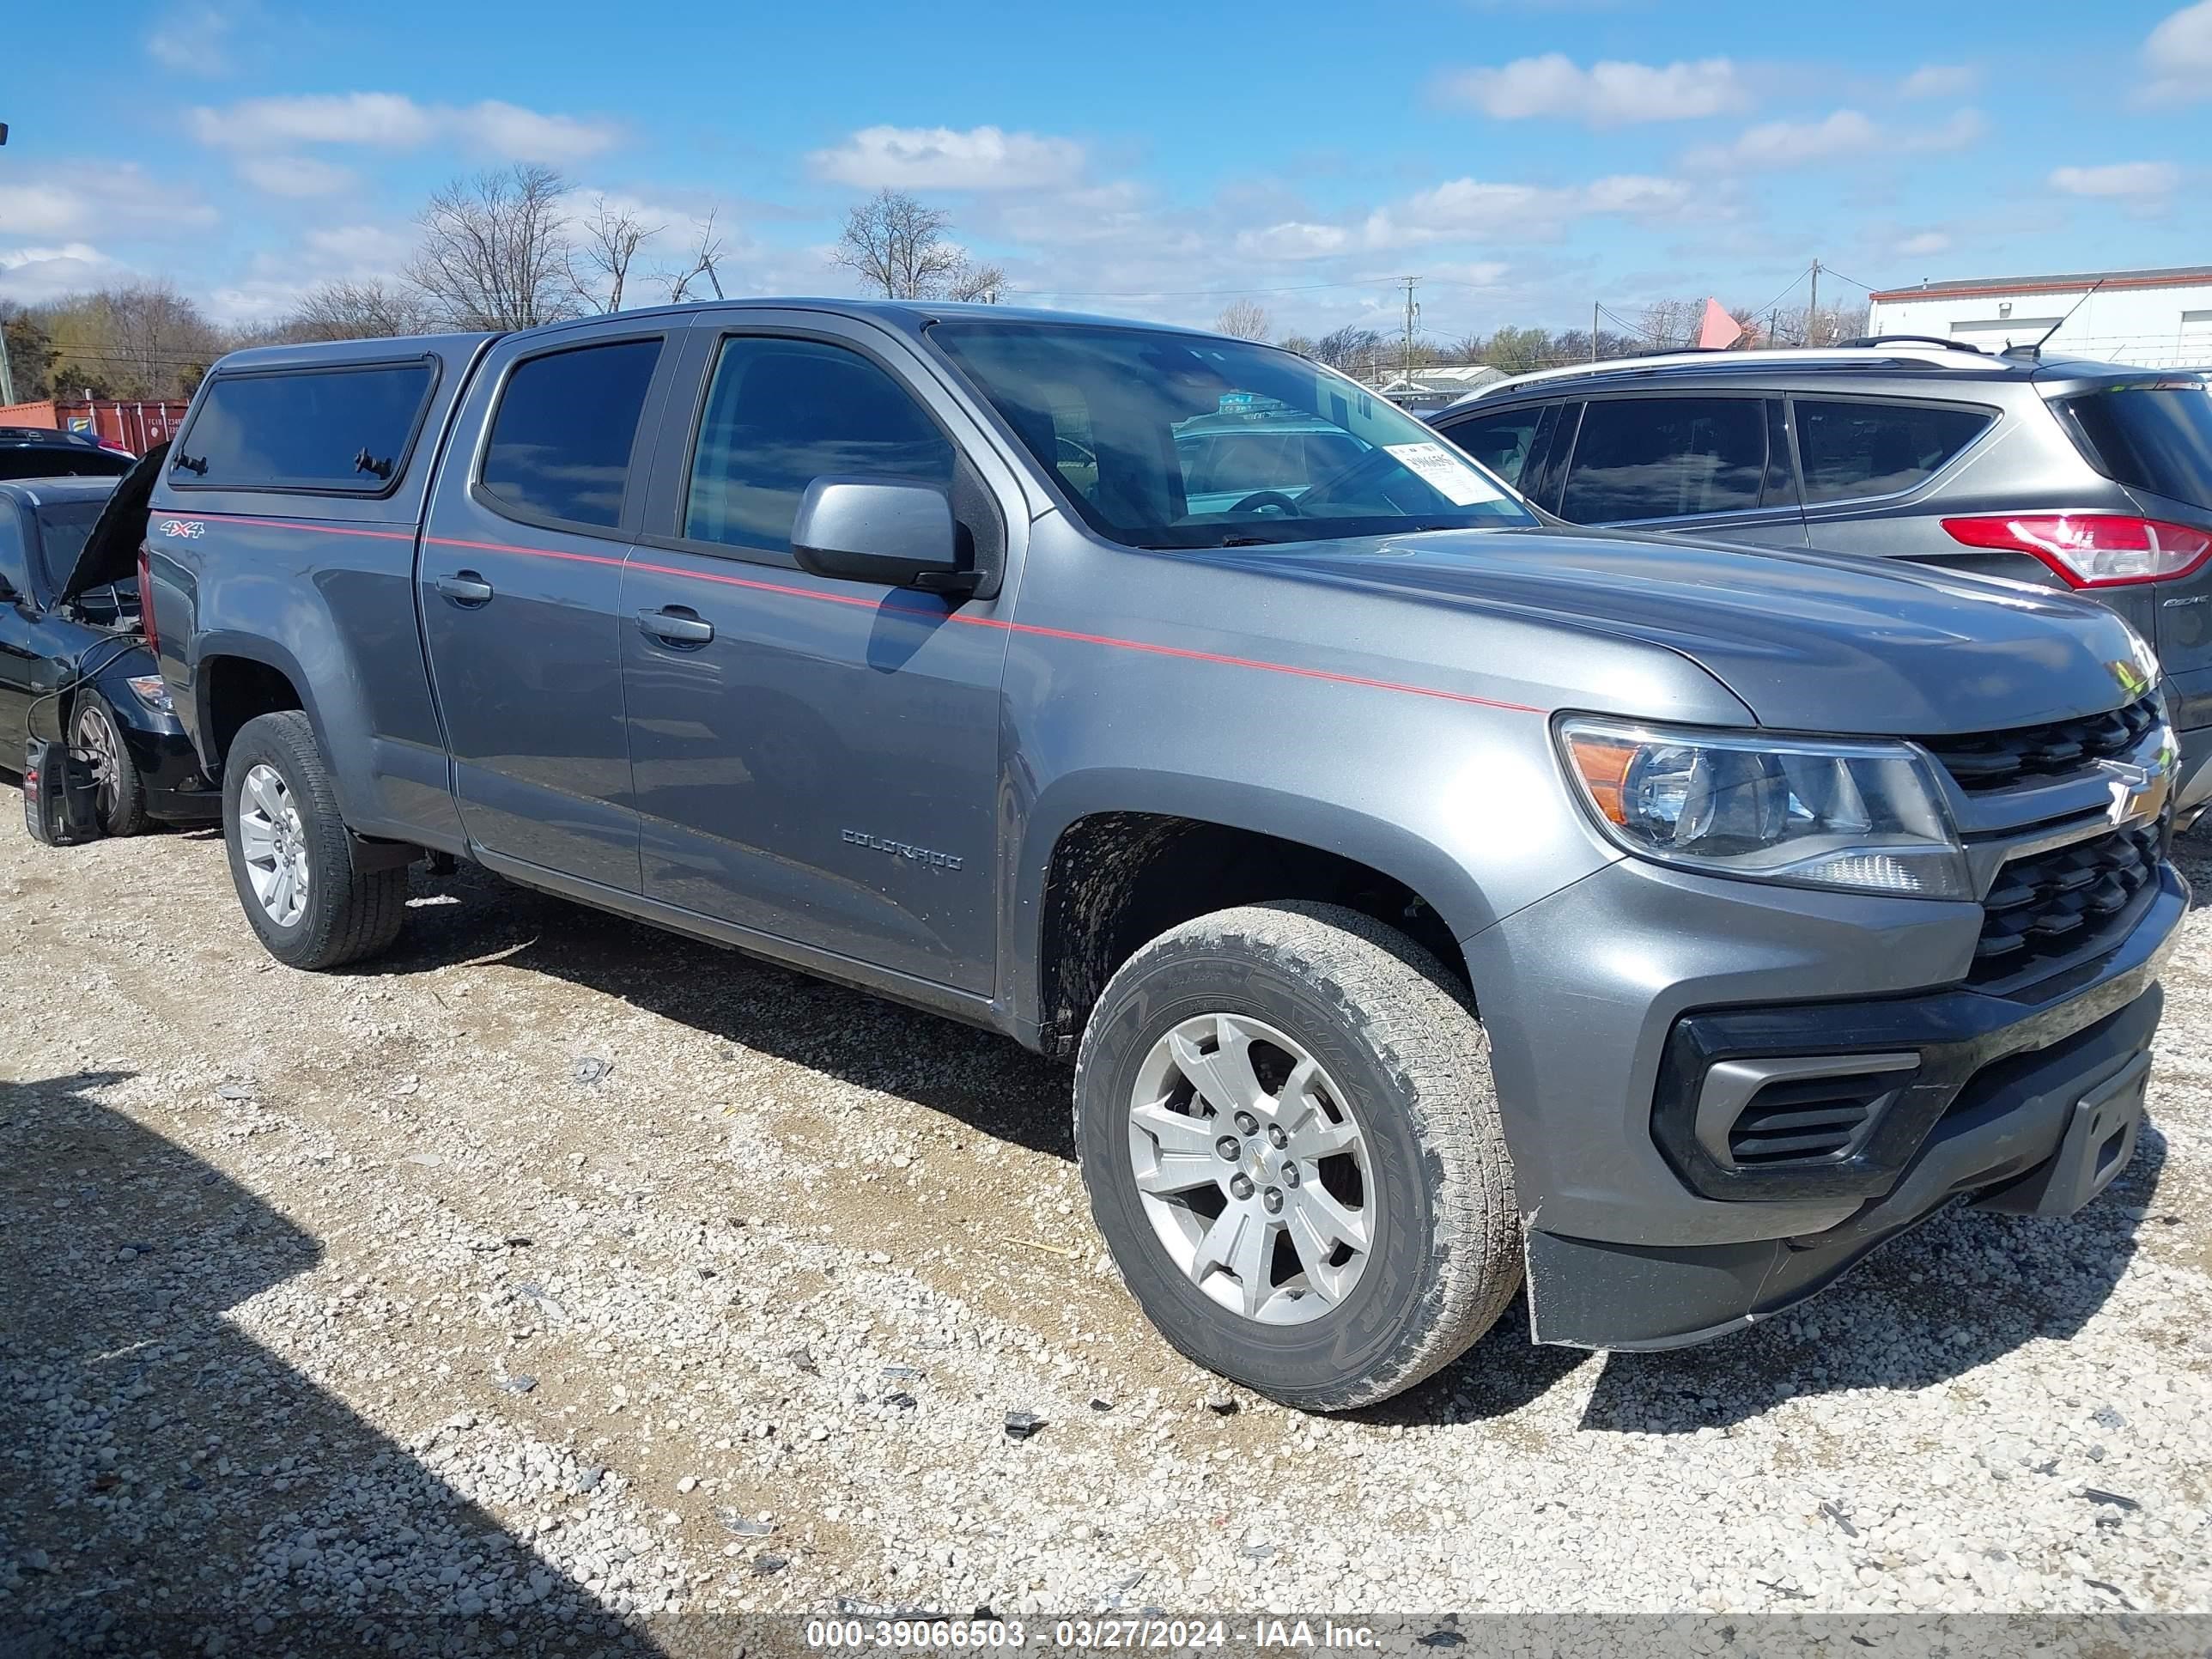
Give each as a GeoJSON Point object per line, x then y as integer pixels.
{"type": "Point", "coordinates": [560, 1271]}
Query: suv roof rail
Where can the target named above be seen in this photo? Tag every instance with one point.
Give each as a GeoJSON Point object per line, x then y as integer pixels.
{"type": "Point", "coordinates": [1871, 353]}
{"type": "Point", "coordinates": [1914, 339]}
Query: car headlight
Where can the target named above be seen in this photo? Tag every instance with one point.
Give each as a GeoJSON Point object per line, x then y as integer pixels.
{"type": "Point", "coordinates": [1865, 817]}
{"type": "Point", "coordinates": [153, 691]}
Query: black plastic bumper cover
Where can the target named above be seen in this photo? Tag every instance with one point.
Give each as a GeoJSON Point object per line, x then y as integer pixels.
{"type": "Point", "coordinates": [2003, 1078]}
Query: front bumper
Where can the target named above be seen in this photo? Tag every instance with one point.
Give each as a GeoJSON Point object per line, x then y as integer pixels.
{"type": "Point", "coordinates": [1591, 992]}
{"type": "Point", "coordinates": [177, 791]}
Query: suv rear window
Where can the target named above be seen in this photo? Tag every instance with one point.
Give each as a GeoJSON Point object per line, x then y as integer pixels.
{"type": "Point", "coordinates": [2156, 436]}
{"type": "Point", "coordinates": [1851, 451]}
{"type": "Point", "coordinates": [330, 431]}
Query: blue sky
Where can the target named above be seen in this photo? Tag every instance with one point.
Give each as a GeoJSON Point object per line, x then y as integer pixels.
{"type": "Point", "coordinates": [1524, 157]}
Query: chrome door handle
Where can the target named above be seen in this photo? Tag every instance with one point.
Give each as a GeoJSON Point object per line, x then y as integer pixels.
{"type": "Point", "coordinates": [677, 626]}
{"type": "Point", "coordinates": [465, 588]}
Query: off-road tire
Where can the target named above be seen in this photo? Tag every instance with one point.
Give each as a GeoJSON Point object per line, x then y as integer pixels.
{"type": "Point", "coordinates": [1392, 1025]}
{"type": "Point", "coordinates": [350, 914]}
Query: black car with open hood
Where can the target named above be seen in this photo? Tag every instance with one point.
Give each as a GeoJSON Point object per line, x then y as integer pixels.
{"type": "Point", "coordinates": [74, 664]}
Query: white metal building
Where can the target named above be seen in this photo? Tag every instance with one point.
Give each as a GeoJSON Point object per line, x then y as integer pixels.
{"type": "Point", "coordinates": [2158, 319]}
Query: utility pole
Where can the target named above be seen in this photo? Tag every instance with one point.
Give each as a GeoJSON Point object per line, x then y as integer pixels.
{"type": "Point", "coordinates": [1813, 308]}
{"type": "Point", "coordinates": [1412, 311]}
{"type": "Point", "coordinates": [1594, 314]}
{"type": "Point", "coordinates": [6, 377]}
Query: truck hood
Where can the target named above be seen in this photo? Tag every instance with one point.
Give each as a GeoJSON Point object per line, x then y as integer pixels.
{"type": "Point", "coordinates": [1809, 641]}
{"type": "Point", "coordinates": [110, 553]}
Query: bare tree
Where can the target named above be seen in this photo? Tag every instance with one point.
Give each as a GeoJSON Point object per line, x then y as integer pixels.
{"type": "Point", "coordinates": [893, 243]}
{"type": "Point", "coordinates": [495, 251]}
{"type": "Point", "coordinates": [986, 283]}
{"type": "Point", "coordinates": [706, 253]}
{"type": "Point", "coordinates": [1244, 319]}
{"type": "Point", "coordinates": [367, 309]}
{"type": "Point", "coordinates": [606, 246]}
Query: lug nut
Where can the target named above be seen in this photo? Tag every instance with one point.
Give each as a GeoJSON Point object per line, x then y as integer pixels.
{"type": "Point", "coordinates": [1278, 1137]}
{"type": "Point", "coordinates": [1290, 1175]}
{"type": "Point", "coordinates": [1241, 1186]}
{"type": "Point", "coordinates": [1228, 1147]}
{"type": "Point", "coordinates": [1273, 1201]}
{"type": "Point", "coordinates": [1247, 1124]}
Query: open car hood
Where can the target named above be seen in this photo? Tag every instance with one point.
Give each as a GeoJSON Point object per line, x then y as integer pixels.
{"type": "Point", "coordinates": [110, 554]}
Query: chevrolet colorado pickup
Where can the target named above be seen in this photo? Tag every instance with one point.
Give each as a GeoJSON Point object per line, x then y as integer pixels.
{"type": "Point", "coordinates": [1432, 897]}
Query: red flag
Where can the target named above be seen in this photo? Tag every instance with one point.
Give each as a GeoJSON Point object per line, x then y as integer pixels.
{"type": "Point", "coordinates": [1719, 331]}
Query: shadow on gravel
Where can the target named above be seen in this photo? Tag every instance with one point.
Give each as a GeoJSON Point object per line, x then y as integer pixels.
{"type": "Point", "coordinates": [1958, 1292]}
{"type": "Point", "coordinates": [981, 1079]}
{"type": "Point", "coordinates": [169, 1484]}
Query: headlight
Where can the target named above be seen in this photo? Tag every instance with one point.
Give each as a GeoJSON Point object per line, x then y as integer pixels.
{"type": "Point", "coordinates": [150, 689]}
{"type": "Point", "coordinates": [1868, 816]}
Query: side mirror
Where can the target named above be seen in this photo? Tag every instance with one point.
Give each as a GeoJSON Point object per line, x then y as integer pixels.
{"type": "Point", "coordinates": [867, 530]}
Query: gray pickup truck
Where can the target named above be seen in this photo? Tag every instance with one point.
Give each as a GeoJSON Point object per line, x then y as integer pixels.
{"type": "Point", "coordinates": [1432, 897]}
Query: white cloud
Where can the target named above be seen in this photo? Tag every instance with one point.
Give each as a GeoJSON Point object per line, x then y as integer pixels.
{"type": "Point", "coordinates": [77, 200]}
{"type": "Point", "coordinates": [294, 175]}
{"type": "Point", "coordinates": [1467, 209]}
{"type": "Point", "coordinates": [1847, 133]}
{"type": "Point", "coordinates": [390, 120]}
{"type": "Point", "coordinates": [192, 40]}
{"type": "Point", "coordinates": [1293, 238]}
{"type": "Point", "coordinates": [2122, 179]}
{"type": "Point", "coordinates": [1939, 81]}
{"type": "Point", "coordinates": [1924, 242]}
{"type": "Point", "coordinates": [942, 158]}
{"type": "Point", "coordinates": [2178, 55]}
{"type": "Point", "coordinates": [1606, 94]}
{"type": "Point", "coordinates": [28, 275]}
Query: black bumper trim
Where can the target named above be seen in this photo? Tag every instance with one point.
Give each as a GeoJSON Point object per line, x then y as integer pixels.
{"type": "Point", "coordinates": [2009, 1125]}
{"type": "Point", "coordinates": [1958, 1034]}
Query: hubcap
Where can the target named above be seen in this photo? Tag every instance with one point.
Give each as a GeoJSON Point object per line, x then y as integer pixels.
{"type": "Point", "coordinates": [276, 848]}
{"type": "Point", "coordinates": [96, 741]}
{"type": "Point", "coordinates": [1252, 1168]}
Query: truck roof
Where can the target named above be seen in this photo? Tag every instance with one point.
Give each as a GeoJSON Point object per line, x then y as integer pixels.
{"type": "Point", "coordinates": [909, 316]}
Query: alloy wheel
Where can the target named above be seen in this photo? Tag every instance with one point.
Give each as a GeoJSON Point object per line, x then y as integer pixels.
{"type": "Point", "coordinates": [275, 845]}
{"type": "Point", "coordinates": [1252, 1168]}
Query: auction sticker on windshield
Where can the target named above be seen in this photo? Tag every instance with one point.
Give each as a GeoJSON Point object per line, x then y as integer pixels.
{"type": "Point", "coordinates": [1454, 479]}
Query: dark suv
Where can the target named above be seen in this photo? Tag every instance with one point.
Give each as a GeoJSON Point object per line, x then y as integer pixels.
{"type": "Point", "coordinates": [2086, 476]}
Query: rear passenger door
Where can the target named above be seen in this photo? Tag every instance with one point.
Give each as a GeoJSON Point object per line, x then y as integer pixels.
{"type": "Point", "coordinates": [521, 577]}
{"type": "Point", "coordinates": [815, 760]}
{"type": "Point", "coordinates": [1716, 465]}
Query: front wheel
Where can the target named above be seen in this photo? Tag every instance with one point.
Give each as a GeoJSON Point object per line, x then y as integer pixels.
{"type": "Point", "coordinates": [1286, 1123]}
{"type": "Point", "coordinates": [291, 858]}
{"type": "Point", "coordinates": [119, 793]}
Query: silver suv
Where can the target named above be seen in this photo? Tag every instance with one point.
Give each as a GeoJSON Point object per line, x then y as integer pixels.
{"type": "Point", "coordinates": [2085, 476]}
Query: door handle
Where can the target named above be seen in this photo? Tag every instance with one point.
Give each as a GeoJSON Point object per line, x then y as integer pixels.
{"type": "Point", "coordinates": [465, 588]}
{"type": "Point", "coordinates": [677, 625]}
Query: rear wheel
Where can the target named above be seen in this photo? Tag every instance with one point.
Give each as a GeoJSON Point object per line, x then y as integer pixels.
{"type": "Point", "coordinates": [1285, 1121]}
{"type": "Point", "coordinates": [120, 793]}
{"type": "Point", "coordinates": [291, 858]}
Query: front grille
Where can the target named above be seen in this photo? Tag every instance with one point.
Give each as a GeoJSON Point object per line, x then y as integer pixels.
{"type": "Point", "coordinates": [1992, 760]}
{"type": "Point", "coordinates": [2057, 904]}
{"type": "Point", "coordinates": [1804, 1120]}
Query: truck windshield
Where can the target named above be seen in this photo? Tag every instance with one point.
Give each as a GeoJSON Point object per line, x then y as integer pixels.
{"type": "Point", "coordinates": [1180, 440]}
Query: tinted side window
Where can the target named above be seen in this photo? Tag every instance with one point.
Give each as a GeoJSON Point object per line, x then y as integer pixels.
{"type": "Point", "coordinates": [15, 568]}
{"type": "Point", "coordinates": [1664, 457]}
{"type": "Point", "coordinates": [54, 461]}
{"type": "Point", "coordinates": [566, 422]}
{"type": "Point", "coordinates": [1502, 441]}
{"type": "Point", "coordinates": [325, 429]}
{"type": "Point", "coordinates": [781, 413]}
{"type": "Point", "coordinates": [1850, 450]}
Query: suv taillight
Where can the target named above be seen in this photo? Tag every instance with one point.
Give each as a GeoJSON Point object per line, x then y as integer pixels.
{"type": "Point", "coordinates": [2092, 550]}
{"type": "Point", "coordinates": [146, 598]}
